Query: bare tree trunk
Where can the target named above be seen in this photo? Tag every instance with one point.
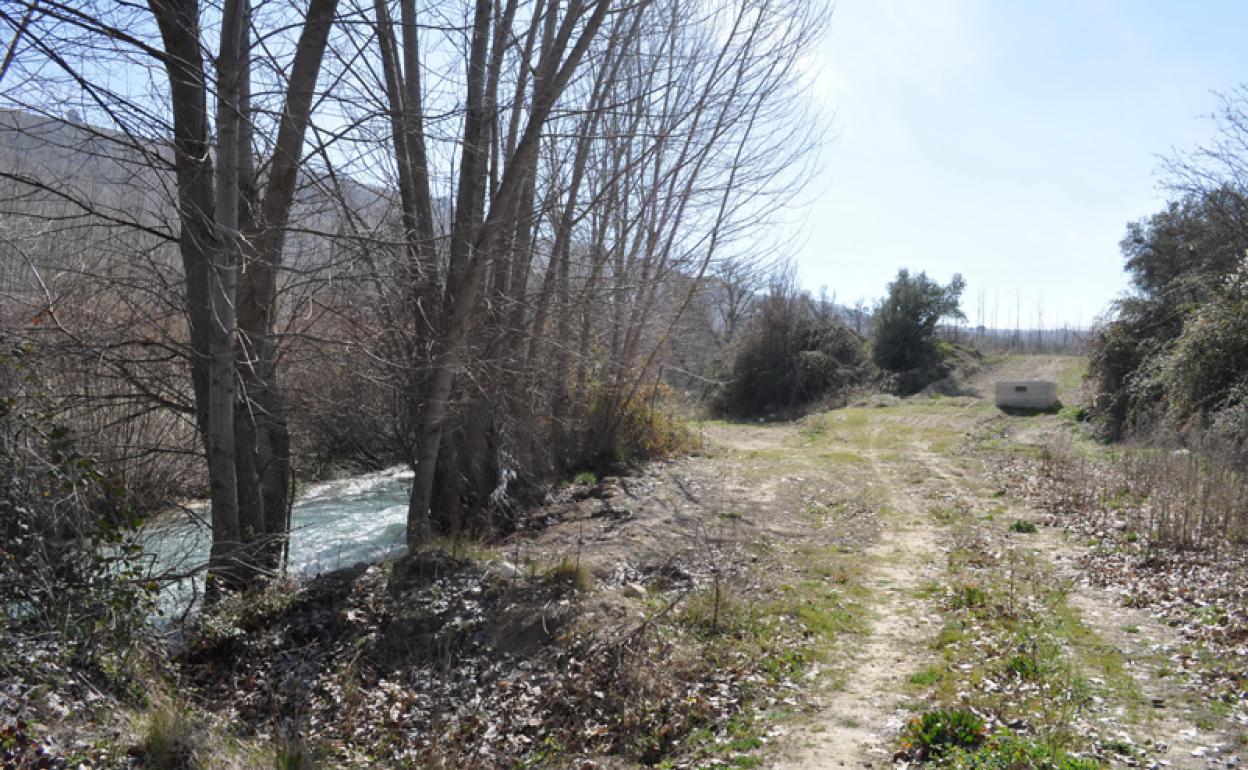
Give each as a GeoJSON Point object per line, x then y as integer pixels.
{"type": "Point", "coordinates": [208, 299]}
{"type": "Point", "coordinates": [258, 292]}
{"type": "Point", "coordinates": [464, 282]}
{"type": "Point", "coordinates": [247, 444]}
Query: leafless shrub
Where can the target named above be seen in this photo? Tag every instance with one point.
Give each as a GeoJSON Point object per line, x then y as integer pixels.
{"type": "Point", "coordinates": [1184, 499]}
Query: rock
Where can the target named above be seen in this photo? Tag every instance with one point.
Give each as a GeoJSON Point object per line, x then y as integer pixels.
{"type": "Point", "coordinates": [506, 569]}
{"type": "Point", "coordinates": [634, 590]}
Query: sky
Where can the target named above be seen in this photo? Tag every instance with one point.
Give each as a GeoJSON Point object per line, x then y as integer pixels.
{"type": "Point", "coordinates": [1008, 140]}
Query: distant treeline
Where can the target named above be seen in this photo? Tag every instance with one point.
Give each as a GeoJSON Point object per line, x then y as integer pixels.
{"type": "Point", "coordinates": [1065, 340]}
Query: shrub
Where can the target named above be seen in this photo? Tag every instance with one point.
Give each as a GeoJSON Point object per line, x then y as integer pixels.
{"type": "Point", "coordinates": [1210, 358]}
{"type": "Point", "coordinates": [934, 733]}
{"type": "Point", "coordinates": [1023, 527]}
{"type": "Point", "coordinates": [903, 330]}
{"type": "Point", "coordinates": [791, 354]}
{"type": "Point", "coordinates": [644, 427]}
{"type": "Point", "coordinates": [70, 566]}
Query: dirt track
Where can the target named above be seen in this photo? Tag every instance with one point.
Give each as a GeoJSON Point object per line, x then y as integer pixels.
{"type": "Point", "coordinates": [891, 500]}
{"type": "Point", "coordinates": [916, 462]}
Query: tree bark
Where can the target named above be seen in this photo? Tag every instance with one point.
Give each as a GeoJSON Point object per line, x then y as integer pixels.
{"type": "Point", "coordinates": [208, 299]}
{"type": "Point", "coordinates": [464, 283]}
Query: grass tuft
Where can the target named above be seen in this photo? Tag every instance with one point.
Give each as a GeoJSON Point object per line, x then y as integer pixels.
{"type": "Point", "coordinates": [1005, 751]}
{"type": "Point", "coordinates": [569, 573]}
{"type": "Point", "coordinates": [170, 741]}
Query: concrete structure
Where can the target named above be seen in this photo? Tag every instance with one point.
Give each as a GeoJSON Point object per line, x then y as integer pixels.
{"type": "Point", "coordinates": [1026, 394]}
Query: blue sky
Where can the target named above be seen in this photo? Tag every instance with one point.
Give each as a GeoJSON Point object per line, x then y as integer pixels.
{"type": "Point", "coordinates": [1008, 140]}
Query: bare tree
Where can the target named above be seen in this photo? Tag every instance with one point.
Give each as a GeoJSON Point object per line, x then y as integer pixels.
{"type": "Point", "coordinates": [230, 227]}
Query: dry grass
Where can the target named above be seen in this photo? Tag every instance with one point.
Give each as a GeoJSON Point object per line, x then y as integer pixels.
{"type": "Point", "coordinates": [1178, 499]}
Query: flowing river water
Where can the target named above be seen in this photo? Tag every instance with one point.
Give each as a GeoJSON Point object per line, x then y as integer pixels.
{"type": "Point", "coordinates": [333, 524]}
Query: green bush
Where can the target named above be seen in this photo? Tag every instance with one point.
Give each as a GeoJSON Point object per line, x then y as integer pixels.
{"type": "Point", "coordinates": [1209, 362]}
{"type": "Point", "coordinates": [1176, 352]}
{"type": "Point", "coordinates": [789, 355]}
{"type": "Point", "coordinates": [903, 329]}
{"type": "Point", "coordinates": [1023, 527]}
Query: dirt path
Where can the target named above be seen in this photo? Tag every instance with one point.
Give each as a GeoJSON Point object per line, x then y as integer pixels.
{"type": "Point", "coordinates": [907, 464]}
{"type": "Point", "coordinates": [857, 724]}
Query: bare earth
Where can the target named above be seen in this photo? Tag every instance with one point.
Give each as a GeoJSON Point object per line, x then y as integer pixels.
{"type": "Point", "coordinates": [858, 725]}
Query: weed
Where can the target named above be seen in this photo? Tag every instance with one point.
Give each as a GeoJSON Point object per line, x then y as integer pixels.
{"type": "Point", "coordinates": [1025, 666]}
{"type": "Point", "coordinates": [934, 733]}
{"type": "Point", "coordinates": [926, 677]}
{"type": "Point", "coordinates": [712, 612]}
{"type": "Point", "coordinates": [967, 596]}
{"type": "Point", "coordinates": [949, 635]}
{"type": "Point", "coordinates": [1119, 746]}
{"type": "Point", "coordinates": [587, 478]}
{"type": "Point", "coordinates": [1007, 752]}
{"type": "Point", "coordinates": [170, 741]}
{"type": "Point", "coordinates": [1023, 527]}
{"type": "Point", "coordinates": [569, 573]}
{"type": "Point", "coordinates": [294, 753]}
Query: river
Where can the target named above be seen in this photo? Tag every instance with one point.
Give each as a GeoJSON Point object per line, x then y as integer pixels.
{"type": "Point", "coordinates": [333, 524]}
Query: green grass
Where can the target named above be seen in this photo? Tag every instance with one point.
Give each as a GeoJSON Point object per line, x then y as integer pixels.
{"type": "Point", "coordinates": [927, 677]}
{"type": "Point", "coordinates": [735, 747]}
{"type": "Point", "coordinates": [1005, 751]}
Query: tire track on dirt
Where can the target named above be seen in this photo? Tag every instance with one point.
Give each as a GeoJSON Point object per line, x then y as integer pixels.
{"type": "Point", "coordinates": [856, 725]}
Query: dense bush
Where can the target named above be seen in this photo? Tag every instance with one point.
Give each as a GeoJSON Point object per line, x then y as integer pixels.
{"type": "Point", "coordinates": [1176, 355]}
{"type": "Point", "coordinates": [69, 559]}
{"type": "Point", "coordinates": [903, 329]}
{"type": "Point", "coordinates": [649, 429]}
{"type": "Point", "coordinates": [789, 355]}
{"type": "Point", "coordinates": [1207, 369]}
